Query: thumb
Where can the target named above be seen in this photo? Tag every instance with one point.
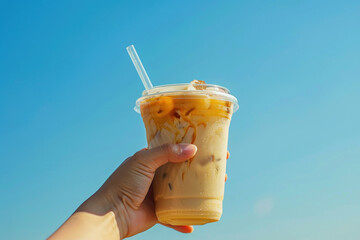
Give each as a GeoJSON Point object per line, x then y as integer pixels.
{"type": "Point", "coordinates": [153, 158]}
{"type": "Point", "coordinates": [135, 175]}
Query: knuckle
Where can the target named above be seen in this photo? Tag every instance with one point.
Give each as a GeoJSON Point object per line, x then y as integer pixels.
{"type": "Point", "coordinates": [138, 154]}
{"type": "Point", "coordinates": [167, 148]}
{"type": "Point", "coordinates": [141, 164]}
{"type": "Point", "coordinates": [168, 151]}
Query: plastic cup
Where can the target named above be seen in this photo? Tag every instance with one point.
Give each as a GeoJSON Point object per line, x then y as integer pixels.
{"type": "Point", "coordinates": [189, 193]}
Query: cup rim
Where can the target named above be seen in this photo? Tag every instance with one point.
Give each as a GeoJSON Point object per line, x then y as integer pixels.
{"type": "Point", "coordinates": [216, 91]}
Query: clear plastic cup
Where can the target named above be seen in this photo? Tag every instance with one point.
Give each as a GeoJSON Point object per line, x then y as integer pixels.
{"type": "Point", "coordinates": [189, 193]}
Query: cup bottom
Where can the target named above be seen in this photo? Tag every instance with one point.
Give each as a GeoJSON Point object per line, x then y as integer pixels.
{"type": "Point", "coordinates": [189, 211]}
{"type": "Point", "coordinates": [177, 218]}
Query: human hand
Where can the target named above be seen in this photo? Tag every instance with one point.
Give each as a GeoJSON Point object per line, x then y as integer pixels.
{"type": "Point", "coordinates": [128, 189]}
{"type": "Point", "coordinates": [124, 205]}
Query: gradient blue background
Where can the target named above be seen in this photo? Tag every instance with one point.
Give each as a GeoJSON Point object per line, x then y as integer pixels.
{"type": "Point", "coordinates": [68, 87]}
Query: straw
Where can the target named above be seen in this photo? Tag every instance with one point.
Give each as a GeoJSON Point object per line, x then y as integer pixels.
{"type": "Point", "coordinates": [139, 67]}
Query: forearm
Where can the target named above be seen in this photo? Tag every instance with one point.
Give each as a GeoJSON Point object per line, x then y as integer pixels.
{"type": "Point", "coordinates": [94, 219]}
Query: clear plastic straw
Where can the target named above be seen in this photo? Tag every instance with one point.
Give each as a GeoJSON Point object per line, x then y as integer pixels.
{"type": "Point", "coordinates": [139, 67]}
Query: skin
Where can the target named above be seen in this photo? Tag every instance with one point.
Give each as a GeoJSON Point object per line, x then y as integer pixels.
{"type": "Point", "coordinates": [124, 205]}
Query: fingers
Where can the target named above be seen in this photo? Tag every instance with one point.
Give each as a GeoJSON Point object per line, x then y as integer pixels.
{"type": "Point", "coordinates": [227, 157]}
{"type": "Point", "coordinates": [182, 229]}
{"type": "Point", "coordinates": [158, 156]}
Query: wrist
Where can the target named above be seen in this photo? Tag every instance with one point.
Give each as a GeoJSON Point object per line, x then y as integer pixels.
{"type": "Point", "coordinates": [91, 221]}
{"type": "Point", "coordinates": [103, 217]}
{"type": "Point", "coordinates": [111, 214]}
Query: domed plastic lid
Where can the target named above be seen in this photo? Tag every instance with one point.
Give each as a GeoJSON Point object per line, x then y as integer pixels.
{"type": "Point", "coordinates": [190, 89]}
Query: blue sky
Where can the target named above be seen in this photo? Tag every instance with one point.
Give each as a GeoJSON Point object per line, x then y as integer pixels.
{"type": "Point", "coordinates": [68, 88]}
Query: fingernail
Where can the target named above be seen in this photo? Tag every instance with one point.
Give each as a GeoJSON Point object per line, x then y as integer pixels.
{"type": "Point", "coordinates": [186, 149]}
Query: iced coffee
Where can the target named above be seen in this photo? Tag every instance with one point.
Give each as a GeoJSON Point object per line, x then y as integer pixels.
{"type": "Point", "coordinates": [189, 193]}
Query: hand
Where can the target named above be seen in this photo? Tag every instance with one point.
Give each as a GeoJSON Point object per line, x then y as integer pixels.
{"type": "Point", "coordinates": [124, 205]}
{"type": "Point", "coordinates": [128, 188]}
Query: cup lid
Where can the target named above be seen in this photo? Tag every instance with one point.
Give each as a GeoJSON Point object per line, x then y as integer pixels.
{"type": "Point", "coordinates": [210, 90]}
